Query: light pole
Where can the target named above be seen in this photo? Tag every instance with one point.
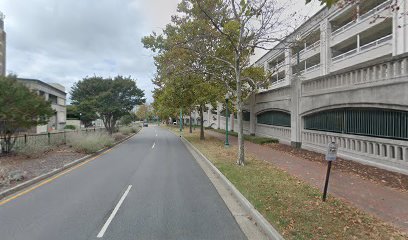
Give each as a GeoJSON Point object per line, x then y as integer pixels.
{"type": "Point", "coordinates": [226, 120]}
{"type": "Point", "coordinates": [80, 115]}
{"type": "Point", "coordinates": [181, 120]}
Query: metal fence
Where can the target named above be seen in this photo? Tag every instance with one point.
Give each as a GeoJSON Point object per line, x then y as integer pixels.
{"type": "Point", "coordinates": [47, 139]}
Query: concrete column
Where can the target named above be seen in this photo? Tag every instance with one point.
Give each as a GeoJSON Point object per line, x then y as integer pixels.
{"type": "Point", "coordinates": [400, 28]}
{"type": "Point", "coordinates": [296, 130]}
{"type": "Point", "coordinates": [325, 54]}
{"type": "Point", "coordinates": [252, 116]}
{"type": "Point", "coordinates": [288, 65]}
{"type": "Point", "coordinates": [358, 42]}
{"type": "Point", "coordinates": [404, 69]}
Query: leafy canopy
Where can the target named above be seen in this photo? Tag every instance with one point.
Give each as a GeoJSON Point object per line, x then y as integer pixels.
{"type": "Point", "coordinates": [109, 98]}
{"type": "Point", "coordinates": [20, 110]}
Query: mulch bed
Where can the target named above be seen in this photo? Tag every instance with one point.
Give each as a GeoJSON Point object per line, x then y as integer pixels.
{"type": "Point", "coordinates": [391, 179]}
{"type": "Point", "coordinates": [33, 167]}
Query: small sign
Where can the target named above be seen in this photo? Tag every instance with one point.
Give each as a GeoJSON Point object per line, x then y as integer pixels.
{"type": "Point", "coordinates": [331, 154]}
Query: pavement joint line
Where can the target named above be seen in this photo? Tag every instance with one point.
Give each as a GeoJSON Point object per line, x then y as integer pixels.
{"type": "Point", "coordinates": [115, 210]}
{"type": "Point", "coordinates": [52, 175]}
{"type": "Point", "coordinates": [260, 220]}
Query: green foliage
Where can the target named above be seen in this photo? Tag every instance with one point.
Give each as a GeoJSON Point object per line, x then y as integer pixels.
{"type": "Point", "coordinates": [83, 113]}
{"type": "Point", "coordinates": [127, 119]}
{"type": "Point", "coordinates": [70, 127]}
{"type": "Point", "coordinates": [109, 98]}
{"type": "Point", "coordinates": [20, 110]}
{"type": "Point", "coordinates": [144, 111]}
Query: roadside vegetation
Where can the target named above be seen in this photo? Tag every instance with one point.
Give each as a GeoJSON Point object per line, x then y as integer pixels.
{"type": "Point", "coordinates": [292, 206]}
{"type": "Point", "coordinates": [253, 139]}
{"type": "Point", "coordinates": [90, 142]}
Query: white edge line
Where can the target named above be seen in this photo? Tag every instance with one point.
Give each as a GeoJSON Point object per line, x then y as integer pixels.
{"type": "Point", "coordinates": [115, 210]}
{"type": "Point", "coordinates": [153, 145]}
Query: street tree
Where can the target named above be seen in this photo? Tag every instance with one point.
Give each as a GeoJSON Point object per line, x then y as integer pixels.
{"type": "Point", "coordinates": [184, 80]}
{"type": "Point", "coordinates": [83, 113]}
{"type": "Point", "coordinates": [20, 110]}
{"type": "Point", "coordinates": [144, 112]}
{"type": "Point", "coordinates": [109, 98]}
{"type": "Point", "coordinates": [232, 30]}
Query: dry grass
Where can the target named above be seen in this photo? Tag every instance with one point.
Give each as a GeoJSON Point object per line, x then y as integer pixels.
{"type": "Point", "coordinates": [33, 151]}
{"type": "Point", "coordinates": [127, 130]}
{"type": "Point", "coordinates": [90, 142]}
{"type": "Point", "coordinates": [291, 205]}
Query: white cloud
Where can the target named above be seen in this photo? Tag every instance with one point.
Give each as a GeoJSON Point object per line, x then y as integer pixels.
{"type": "Point", "coordinates": [63, 40]}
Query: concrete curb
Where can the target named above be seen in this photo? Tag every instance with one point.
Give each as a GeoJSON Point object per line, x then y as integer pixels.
{"type": "Point", "coordinates": [261, 222]}
{"type": "Point", "coordinates": [44, 176]}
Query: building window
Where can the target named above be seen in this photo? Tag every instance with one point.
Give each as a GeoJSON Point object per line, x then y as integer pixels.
{"type": "Point", "coordinates": [361, 121]}
{"type": "Point", "coordinates": [275, 118]}
{"type": "Point", "coordinates": [53, 99]}
{"type": "Point", "coordinates": [246, 116]}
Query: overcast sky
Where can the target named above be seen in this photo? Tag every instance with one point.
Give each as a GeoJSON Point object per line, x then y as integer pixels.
{"type": "Point", "coordinates": [65, 40]}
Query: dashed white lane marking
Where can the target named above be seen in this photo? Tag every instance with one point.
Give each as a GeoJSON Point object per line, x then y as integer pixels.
{"type": "Point", "coordinates": [156, 134]}
{"type": "Point", "coordinates": [154, 144]}
{"type": "Point", "coordinates": [115, 210]}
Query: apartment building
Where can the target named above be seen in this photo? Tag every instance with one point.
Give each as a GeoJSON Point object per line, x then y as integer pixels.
{"type": "Point", "coordinates": [55, 93]}
{"type": "Point", "coordinates": [2, 46]}
{"type": "Point", "coordinates": [340, 77]}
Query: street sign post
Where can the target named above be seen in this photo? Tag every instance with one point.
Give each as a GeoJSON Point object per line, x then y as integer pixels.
{"type": "Point", "coordinates": [331, 156]}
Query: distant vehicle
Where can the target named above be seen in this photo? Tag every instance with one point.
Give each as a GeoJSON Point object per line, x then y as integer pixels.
{"type": "Point", "coordinates": [145, 124]}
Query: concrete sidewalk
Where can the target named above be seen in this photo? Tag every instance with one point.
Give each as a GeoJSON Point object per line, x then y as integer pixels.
{"type": "Point", "coordinates": [386, 203]}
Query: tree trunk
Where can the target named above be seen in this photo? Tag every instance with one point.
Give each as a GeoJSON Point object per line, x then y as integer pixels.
{"type": "Point", "coordinates": [201, 123]}
{"type": "Point", "coordinates": [241, 150]}
{"type": "Point", "coordinates": [191, 124]}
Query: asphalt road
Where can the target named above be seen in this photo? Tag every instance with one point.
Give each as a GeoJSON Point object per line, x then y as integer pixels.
{"type": "Point", "coordinates": [149, 187]}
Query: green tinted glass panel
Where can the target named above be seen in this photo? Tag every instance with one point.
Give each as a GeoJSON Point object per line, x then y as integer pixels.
{"type": "Point", "coordinates": [275, 118]}
{"type": "Point", "coordinates": [368, 121]}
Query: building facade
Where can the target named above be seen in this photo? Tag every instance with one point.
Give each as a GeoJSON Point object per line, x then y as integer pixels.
{"type": "Point", "coordinates": [55, 93]}
{"type": "Point", "coordinates": [2, 46]}
{"type": "Point", "coordinates": [340, 77]}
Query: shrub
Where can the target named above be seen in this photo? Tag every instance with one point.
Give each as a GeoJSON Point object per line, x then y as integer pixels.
{"type": "Point", "coordinates": [71, 127]}
{"type": "Point", "coordinates": [90, 142]}
{"type": "Point", "coordinates": [125, 130]}
{"type": "Point", "coordinates": [118, 136]}
{"type": "Point", "coordinates": [135, 129]}
{"type": "Point", "coordinates": [254, 139]}
{"type": "Point", "coordinates": [128, 130]}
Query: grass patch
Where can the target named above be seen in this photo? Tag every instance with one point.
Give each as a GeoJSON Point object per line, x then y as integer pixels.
{"type": "Point", "coordinates": [291, 205]}
{"type": "Point", "coordinates": [254, 139]}
{"type": "Point", "coordinates": [90, 142]}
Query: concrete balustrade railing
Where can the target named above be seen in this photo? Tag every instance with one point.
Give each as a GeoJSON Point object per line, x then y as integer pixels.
{"type": "Point", "coordinates": [386, 71]}
{"type": "Point", "coordinates": [387, 152]}
{"type": "Point", "coordinates": [280, 133]}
